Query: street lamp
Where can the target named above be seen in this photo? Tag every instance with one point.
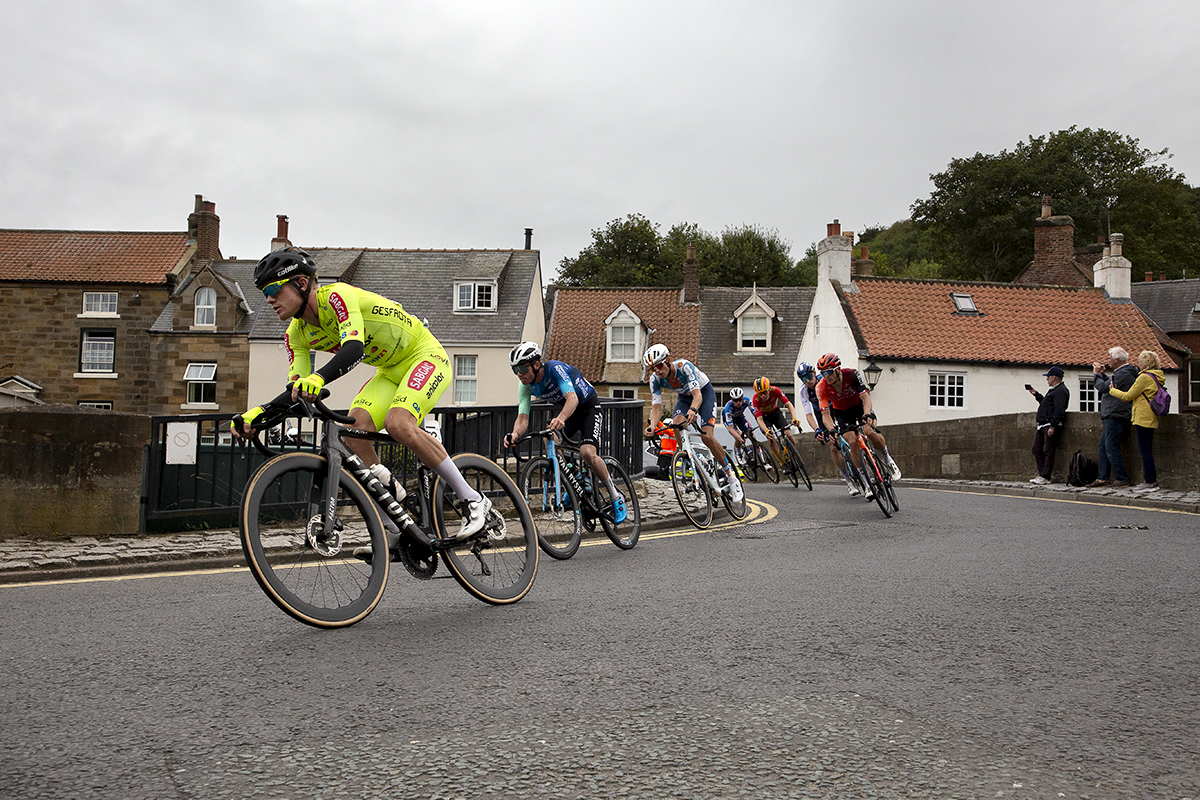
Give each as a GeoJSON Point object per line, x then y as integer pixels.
{"type": "Point", "coordinates": [872, 371]}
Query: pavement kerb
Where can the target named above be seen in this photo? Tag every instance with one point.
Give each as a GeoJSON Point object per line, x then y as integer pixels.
{"type": "Point", "coordinates": [27, 561]}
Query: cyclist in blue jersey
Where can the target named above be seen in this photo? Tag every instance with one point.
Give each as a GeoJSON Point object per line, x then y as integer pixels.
{"type": "Point", "coordinates": [563, 385]}
{"type": "Point", "coordinates": [734, 417]}
{"type": "Point", "coordinates": [696, 401]}
{"type": "Point", "coordinates": [811, 406]}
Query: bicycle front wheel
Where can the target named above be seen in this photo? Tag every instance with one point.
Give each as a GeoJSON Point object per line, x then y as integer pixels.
{"type": "Point", "coordinates": [745, 458]}
{"type": "Point", "coordinates": [875, 482]}
{"type": "Point", "coordinates": [555, 511]}
{"type": "Point", "coordinates": [799, 473]}
{"type": "Point", "coordinates": [623, 534]}
{"type": "Point", "coordinates": [312, 576]}
{"type": "Point", "coordinates": [499, 564]}
{"type": "Point", "coordinates": [691, 491]}
{"type": "Point", "coordinates": [766, 461]}
{"type": "Point", "coordinates": [888, 488]}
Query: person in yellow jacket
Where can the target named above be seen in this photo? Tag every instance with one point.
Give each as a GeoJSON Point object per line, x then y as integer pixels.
{"type": "Point", "coordinates": [1145, 421]}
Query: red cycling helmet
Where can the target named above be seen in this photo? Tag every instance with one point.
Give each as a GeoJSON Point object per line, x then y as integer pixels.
{"type": "Point", "coordinates": [828, 361]}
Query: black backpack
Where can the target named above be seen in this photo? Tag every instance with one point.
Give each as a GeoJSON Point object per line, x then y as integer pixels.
{"type": "Point", "coordinates": [1083, 470]}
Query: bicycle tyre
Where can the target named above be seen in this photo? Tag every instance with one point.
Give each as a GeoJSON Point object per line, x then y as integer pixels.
{"type": "Point", "coordinates": [787, 463]}
{"type": "Point", "coordinates": [497, 570]}
{"type": "Point", "coordinates": [623, 534]}
{"type": "Point", "coordinates": [691, 489]}
{"type": "Point", "coordinates": [767, 462]}
{"type": "Point", "coordinates": [736, 508]}
{"type": "Point", "coordinates": [558, 521]}
{"type": "Point", "coordinates": [875, 482]}
{"type": "Point", "coordinates": [797, 463]}
{"type": "Point", "coordinates": [888, 488]}
{"type": "Point", "coordinates": [325, 591]}
{"type": "Point", "coordinates": [745, 461]}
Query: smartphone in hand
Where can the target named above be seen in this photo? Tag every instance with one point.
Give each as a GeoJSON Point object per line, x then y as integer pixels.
{"type": "Point", "coordinates": [1028, 388]}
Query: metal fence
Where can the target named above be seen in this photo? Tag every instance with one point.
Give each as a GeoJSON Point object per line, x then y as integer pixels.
{"type": "Point", "coordinates": [207, 494]}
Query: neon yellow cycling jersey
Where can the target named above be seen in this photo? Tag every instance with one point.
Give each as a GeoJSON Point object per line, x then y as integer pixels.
{"type": "Point", "coordinates": [389, 335]}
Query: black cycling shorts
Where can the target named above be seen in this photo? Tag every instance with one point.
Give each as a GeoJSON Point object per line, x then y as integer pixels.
{"type": "Point", "coordinates": [587, 422]}
{"type": "Point", "coordinates": [848, 418]}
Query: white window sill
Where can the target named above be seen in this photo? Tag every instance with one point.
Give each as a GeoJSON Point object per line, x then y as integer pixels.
{"type": "Point", "coordinates": [201, 406]}
{"type": "Point", "coordinates": [202, 328]}
{"type": "Point", "coordinates": [99, 315]}
{"type": "Point", "coordinates": [103, 375]}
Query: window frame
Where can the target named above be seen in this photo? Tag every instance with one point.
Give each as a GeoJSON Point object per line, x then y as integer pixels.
{"type": "Point", "coordinates": [765, 337]}
{"type": "Point", "coordinates": [474, 303]}
{"type": "Point", "coordinates": [97, 336]}
{"type": "Point", "coordinates": [1087, 394]}
{"type": "Point", "coordinates": [102, 405]}
{"type": "Point", "coordinates": [470, 380]}
{"type": "Point", "coordinates": [946, 392]}
{"type": "Point", "coordinates": [964, 303]}
{"type": "Point", "coordinates": [201, 392]}
{"type": "Point", "coordinates": [632, 390]}
{"type": "Point", "coordinates": [207, 291]}
{"type": "Point", "coordinates": [86, 314]}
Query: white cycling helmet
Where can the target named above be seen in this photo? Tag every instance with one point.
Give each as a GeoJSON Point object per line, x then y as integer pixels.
{"type": "Point", "coordinates": [736, 393]}
{"type": "Point", "coordinates": [525, 351]}
{"type": "Point", "coordinates": [657, 354]}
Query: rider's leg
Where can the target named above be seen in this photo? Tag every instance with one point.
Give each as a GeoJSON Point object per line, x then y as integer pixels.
{"type": "Point", "coordinates": [875, 436]}
{"type": "Point", "coordinates": [365, 450]}
{"type": "Point", "coordinates": [596, 464]}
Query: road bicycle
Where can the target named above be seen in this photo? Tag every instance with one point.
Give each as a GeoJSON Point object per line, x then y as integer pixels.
{"type": "Point", "coordinates": [876, 478]}
{"type": "Point", "coordinates": [791, 465]}
{"type": "Point", "coordinates": [695, 478]}
{"type": "Point", "coordinates": [565, 498]}
{"type": "Point", "coordinates": [302, 513]}
{"type": "Point", "coordinates": [753, 458]}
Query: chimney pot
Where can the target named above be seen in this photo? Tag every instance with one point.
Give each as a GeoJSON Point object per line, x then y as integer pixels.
{"type": "Point", "coordinates": [833, 229]}
{"type": "Point", "coordinates": [281, 226]}
{"type": "Point", "coordinates": [866, 254]}
{"type": "Point", "coordinates": [1046, 211]}
{"type": "Point", "coordinates": [1117, 240]}
{"type": "Point", "coordinates": [1149, 276]}
{"type": "Point", "coordinates": [529, 238]}
{"type": "Point", "coordinates": [1162, 276]}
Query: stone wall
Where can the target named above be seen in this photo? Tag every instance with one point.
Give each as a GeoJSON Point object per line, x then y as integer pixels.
{"type": "Point", "coordinates": [67, 471]}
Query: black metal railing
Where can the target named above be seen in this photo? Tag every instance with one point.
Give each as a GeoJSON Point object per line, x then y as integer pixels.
{"type": "Point", "coordinates": [208, 492]}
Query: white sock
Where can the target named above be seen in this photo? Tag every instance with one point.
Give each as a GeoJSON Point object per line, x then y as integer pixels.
{"type": "Point", "coordinates": [448, 471]}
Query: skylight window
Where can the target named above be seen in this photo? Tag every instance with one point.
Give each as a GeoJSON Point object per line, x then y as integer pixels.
{"type": "Point", "coordinates": [964, 304]}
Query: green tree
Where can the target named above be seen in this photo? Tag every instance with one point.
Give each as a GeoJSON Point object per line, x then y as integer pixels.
{"type": "Point", "coordinates": [625, 252]}
{"type": "Point", "coordinates": [979, 219]}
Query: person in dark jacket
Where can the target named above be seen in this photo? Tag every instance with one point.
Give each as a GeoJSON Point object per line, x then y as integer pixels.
{"type": "Point", "coordinates": [1114, 416]}
{"type": "Point", "coordinates": [1051, 414]}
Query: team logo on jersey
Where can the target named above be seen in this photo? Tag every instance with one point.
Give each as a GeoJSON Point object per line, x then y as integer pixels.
{"type": "Point", "coordinates": [339, 307]}
{"type": "Point", "coordinates": [287, 345]}
{"type": "Point", "coordinates": [420, 375]}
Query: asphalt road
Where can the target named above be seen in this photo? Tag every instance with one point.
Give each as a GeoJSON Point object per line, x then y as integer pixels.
{"type": "Point", "coordinates": [973, 646]}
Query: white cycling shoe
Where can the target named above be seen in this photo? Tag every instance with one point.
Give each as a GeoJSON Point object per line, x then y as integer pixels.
{"type": "Point", "coordinates": [474, 519]}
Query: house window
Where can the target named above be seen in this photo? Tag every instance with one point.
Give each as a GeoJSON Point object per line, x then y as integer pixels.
{"type": "Point", "coordinates": [99, 304]}
{"type": "Point", "coordinates": [202, 385]}
{"type": "Point", "coordinates": [206, 306]}
{"type": "Point", "coordinates": [622, 393]}
{"type": "Point", "coordinates": [1087, 394]}
{"type": "Point", "coordinates": [97, 351]}
{"type": "Point", "coordinates": [103, 405]}
{"type": "Point", "coordinates": [947, 390]}
{"type": "Point", "coordinates": [755, 332]}
{"type": "Point", "coordinates": [964, 303]}
{"type": "Point", "coordinates": [1193, 383]}
{"type": "Point", "coordinates": [464, 379]}
{"type": "Point", "coordinates": [622, 342]}
{"type": "Point", "coordinates": [474, 297]}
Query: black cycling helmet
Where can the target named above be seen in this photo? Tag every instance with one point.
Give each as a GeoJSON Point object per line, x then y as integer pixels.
{"type": "Point", "coordinates": [281, 265]}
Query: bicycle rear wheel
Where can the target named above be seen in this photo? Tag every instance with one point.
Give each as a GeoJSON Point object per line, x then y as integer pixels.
{"type": "Point", "coordinates": [623, 534]}
{"type": "Point", "coordinates": [888, 488]}
{"type": "Point", "coordinates": [691, 491]}
{"type": "Point", "coordinates": [767, 463]}
{"type": "Point", "coordinates": [875, 482]}
{"type": "Point", "coordinates": [497, 565]}
{"type": "Point", "coordinates": [744, 459]}
{"type": "Point", "coordinates": [555, 513]}
{"type": "Point", "coordinates": [786, 465]}
{"type": "Point", "coordinates": [314, 579]}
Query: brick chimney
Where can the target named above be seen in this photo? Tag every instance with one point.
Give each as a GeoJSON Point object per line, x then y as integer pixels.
{"type": "Point", "coordinates": [1053, 240]}
{"type": "Point", "coordinates": [863, 266]}
{"type": "Point", "coordinates": [691, 276]}
{"type": "Point", "coordinates": [204, 227]}
{"type": "Point", "coordinates": [833, 256]}
{"type": "Point", "coordinates": [1113, 272]}
{"type": "Point", "coordinates": [281, 233]}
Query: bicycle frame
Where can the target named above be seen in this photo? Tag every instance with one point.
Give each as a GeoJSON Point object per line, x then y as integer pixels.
{"type": "Point", "coordinates": [572, 477]}
{"type": "Point", "coordinates": [691, 448]}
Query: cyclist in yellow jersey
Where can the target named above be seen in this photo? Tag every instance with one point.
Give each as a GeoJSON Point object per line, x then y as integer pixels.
{"type": "Point", "coordinates": [360, 326]}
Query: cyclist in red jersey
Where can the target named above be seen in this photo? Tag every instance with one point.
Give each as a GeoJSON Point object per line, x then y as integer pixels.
{"type": "Point", "coordinates": [845, 400]}
{"type": "Point", "coordinates": [769, 409]}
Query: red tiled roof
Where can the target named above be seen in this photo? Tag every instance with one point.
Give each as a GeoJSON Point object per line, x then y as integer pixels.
{"type": "Point", "coordinates": [577, 333]}
{"type": "Point", "coordinates": [1021, 324]}
{"type": "Point", "coordinates": [89, 256]}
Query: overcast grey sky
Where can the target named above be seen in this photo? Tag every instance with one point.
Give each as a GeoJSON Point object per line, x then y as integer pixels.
{"type": "Point", "coordinates": [459, 124]}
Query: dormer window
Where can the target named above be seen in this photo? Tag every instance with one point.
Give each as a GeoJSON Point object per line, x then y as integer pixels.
{"type": "Point", "coordinates": [754, 318]}
{"type": "Point", "coordinates": [964, 303]}
{"type": "Point", "coordinates": [206, 307]}
{"type": "Point", "coordinates": [474, 296]}
{"type": "Point", "coordinates": [623, 328]}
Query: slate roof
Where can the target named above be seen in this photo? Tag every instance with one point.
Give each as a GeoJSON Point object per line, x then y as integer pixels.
{"type": "Point", "coordinates": [422, 281]}
{"type": "Point", "coordinates": [1070, 273]}
{"type": "Point", "coordinates": [577, 334]}
{"type": "Point", "coordinates": [1016, 324]}
{"type": "Point", "coordinates": [1170, 304]}
{"type": "Point", "coordinates": [90, 256]}
{"type": "Point", "coordinates": [718, 337]}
